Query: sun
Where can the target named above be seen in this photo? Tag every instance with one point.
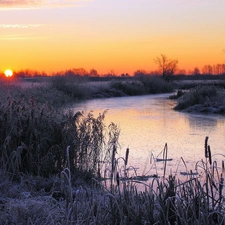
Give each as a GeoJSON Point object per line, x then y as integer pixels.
{"type": "Point", "coordinates": [8, 73]}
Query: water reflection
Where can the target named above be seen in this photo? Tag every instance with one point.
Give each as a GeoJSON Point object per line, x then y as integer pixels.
{"type": "Point", "coordinates": [148, 122]}
{"type": "Point", "coordinates": [198, 121]}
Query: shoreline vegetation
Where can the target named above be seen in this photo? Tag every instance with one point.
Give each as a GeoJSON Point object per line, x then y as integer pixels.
{"type": "Point", "coordinates": [53, 164]}
{"type": "Point", "coordinates": [201, 99]}
{"type": "Point", "coordinates": [204, 96]}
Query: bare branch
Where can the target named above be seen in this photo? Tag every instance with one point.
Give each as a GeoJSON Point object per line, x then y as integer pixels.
{"type": "Point", "coordinates": [167, 66]}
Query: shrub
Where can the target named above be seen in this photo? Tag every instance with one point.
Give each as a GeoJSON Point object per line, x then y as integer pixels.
{"type": "Point", "coordinates": [155, 84]}
{"type": "Point", "coordinates": [143, 85]}
{"type": "Point", "coordinates": [201, 95]}
{"type": "Point", "coordinates": [129, 88]}
{"type": "Point", "coordinates": [71, 86]}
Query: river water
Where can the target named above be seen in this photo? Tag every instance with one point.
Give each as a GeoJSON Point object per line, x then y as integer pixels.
{"type": "Point", "coordinates": [148, 122]}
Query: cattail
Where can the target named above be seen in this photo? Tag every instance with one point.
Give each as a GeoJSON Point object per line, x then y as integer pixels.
{"type": "Point", "coordinates": [206, 144]}
{"type": "Point", "coordinates": [209, 155]}
{"type": "Point", "coordinates": [113, 158]}
{"type": "Point", "coordinates": [118, 179]}
{"type": "Point", "coordinates": [127, 154]}
{"type": "Point", "coordinates": [165, 158]}
{"type": "Point", "coordinates": [223, 169]}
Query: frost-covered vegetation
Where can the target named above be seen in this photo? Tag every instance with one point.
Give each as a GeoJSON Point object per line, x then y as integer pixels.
{"type": "Point", "coordinates": [53, 165]}
{"type": "Point", "coordinates": [80, 88]}
{"type": "Point", "coordinates": [207, 98]}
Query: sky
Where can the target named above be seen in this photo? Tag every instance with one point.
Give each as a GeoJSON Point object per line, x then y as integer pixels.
{"type": "Point", "coordinates": [119, 35]}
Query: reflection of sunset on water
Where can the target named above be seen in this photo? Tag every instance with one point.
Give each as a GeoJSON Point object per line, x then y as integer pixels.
{"type": "Point", "coordinates": [148, 122]}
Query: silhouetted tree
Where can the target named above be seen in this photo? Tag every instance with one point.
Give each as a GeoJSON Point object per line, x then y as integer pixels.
{"type": "Point", "coordinates": [196, 71]}
{"type": "Point", "coordinates": [94, 73]}
{"type": "Point", "coordinates": [207, 69]}
{"type": "Point", "coordinates": [76, 72]}
{"type": "Point", "coordinates": [167, 66]}
{"type": "Point", "coordinates": [140, 73]}
{"type": "Point", "coordinates": [28, 73]}
{"type": "Point", "coordinates": [112, 73]}
{"type": "Point", "coordinates": [218, 69]}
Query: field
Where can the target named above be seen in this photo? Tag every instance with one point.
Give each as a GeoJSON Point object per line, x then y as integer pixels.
{"type": "Point", "coordinates": [53, 165]}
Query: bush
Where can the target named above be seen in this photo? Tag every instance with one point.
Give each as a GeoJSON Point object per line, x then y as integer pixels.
{"type": "Point", "coordinates": [155, 84]}
{"type": "Point", "coordinates": [129, 88]}
{"type": "Point", "coordinates": [204, 95]}
{"type": "Point", "coordinates": [143, 85]}
{"type": "Point", "coordinates": [71, 86]}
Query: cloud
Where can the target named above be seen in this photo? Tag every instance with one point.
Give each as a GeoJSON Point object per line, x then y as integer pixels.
{"type": "Point", "coordinates": [18, 4]}
{"type": "Point", "coordinates": [24, 26]}
{"type": "Point", "coordinates": [65, 3]}
{"type": "Point", "coordinates": [16, 37]}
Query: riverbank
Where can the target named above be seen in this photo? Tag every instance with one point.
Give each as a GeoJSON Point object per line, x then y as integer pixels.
{"type": "Point", "coordinates": [44, 182]}
{"type": "Point", "coordinates": [202, 99]}
{"type": "Point", "coordinates": [58, 91]}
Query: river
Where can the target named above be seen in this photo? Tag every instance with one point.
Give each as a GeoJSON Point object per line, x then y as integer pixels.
{"type": "Point", "coordinates": [148, 122]}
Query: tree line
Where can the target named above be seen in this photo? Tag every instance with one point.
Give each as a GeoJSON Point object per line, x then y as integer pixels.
{"type": "Point", "coordinates": [167, 68]}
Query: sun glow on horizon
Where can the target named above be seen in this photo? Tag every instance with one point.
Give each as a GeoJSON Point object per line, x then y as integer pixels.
{"type": "Point", "coordinates": [53, 36]}
{"type": "Point", "coordinates": [8, 73]}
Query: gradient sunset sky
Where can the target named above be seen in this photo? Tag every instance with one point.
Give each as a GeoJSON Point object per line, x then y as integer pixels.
{"type": "Point", "coordinates": [123, 35]}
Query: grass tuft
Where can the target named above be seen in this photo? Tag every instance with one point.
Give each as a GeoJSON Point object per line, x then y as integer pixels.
{"type": "Point", "coordinates": [46, 156]}
{"type": "Point", "coordinates": [206, 96]}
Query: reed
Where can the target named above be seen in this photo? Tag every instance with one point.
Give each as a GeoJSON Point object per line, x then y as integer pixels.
{"type": "Point", "coordinates": [33, 136]}
{"type": "Point", "coordinates": [70, 86]}
{"type": "Point", "coordinates": [198, 200]}
{"type": "Point", "coordinates": [207, 96]}
{"type": "Point", "coordinates": [39, 142]}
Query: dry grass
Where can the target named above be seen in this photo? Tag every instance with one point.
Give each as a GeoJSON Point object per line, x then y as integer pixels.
{"type": "Point", "coordinates": [205, 96]}
{"type": "Point", "coordinates": [47, 157]}
{"type": "Point", "coordinates": [34, 135]}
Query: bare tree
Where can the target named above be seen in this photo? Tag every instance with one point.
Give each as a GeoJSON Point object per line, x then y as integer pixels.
{"type": "Point", "coordinates": [196, 71]}
{"type": "Point", "coordinates": [94, 73]}
{"type": "Point", "coordinates": [167, 66]}
{"type": "Point", "coordinates": [207, 69]}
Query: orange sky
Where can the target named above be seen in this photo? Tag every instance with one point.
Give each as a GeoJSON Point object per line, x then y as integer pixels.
{"type": "Point", "coordinates": [121, 35]}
